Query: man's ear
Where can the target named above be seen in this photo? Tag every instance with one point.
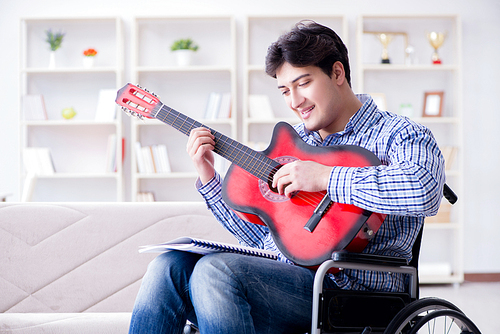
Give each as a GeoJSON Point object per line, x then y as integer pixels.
{"type": "Point", "coordinates": [338, 73]}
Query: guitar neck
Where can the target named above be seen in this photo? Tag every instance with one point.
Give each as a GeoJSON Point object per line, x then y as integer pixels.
{"type": "Point", "coordinates": [243, 156]}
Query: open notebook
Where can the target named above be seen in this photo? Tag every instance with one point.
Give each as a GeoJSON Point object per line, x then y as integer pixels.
{"type": "Point", "coordinates": [201, 246]}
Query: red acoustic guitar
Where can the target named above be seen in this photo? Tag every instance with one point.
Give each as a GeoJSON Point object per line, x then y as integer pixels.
{"type": "Point", "coordinates": [306, 228]}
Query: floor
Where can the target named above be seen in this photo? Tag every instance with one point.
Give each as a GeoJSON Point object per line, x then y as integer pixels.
{"type": "Point", "coordinates": [479, 301]}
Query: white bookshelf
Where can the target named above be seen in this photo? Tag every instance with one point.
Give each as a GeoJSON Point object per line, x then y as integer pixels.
{"type": "Point", "coordinates": [184, 88]}
{"type": "Point", "coordinates": [78, 146]}
{"type": "Point", "coordinates": [404, 82]}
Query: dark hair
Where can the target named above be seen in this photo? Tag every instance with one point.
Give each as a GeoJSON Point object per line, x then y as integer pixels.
{"type": "Point", "coordinates": [308, 43]}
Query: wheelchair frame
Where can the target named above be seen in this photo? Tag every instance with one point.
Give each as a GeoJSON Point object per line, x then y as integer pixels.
{"type": "Point", "coordinates": [408, 319]}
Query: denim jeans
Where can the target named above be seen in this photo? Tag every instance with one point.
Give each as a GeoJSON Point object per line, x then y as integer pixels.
{"type": "Point", "coordinates": [223, 293]}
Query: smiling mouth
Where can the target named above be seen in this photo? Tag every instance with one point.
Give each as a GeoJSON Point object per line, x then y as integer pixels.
{"type": "Point", "coordinates": [306, 112]}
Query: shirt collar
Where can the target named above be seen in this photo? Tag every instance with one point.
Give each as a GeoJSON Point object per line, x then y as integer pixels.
{"type": "Point", "coordinates": [364, 118]}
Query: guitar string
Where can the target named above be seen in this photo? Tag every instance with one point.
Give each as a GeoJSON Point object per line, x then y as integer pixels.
{"type": "Point", "coordinates": [259, 160]}
{"type": "Point", "coordinates": [253, 169]}
{"type": "Point", "coordinates": [311, 198]}
{"type": "Point", "coordinates": [234, 152]}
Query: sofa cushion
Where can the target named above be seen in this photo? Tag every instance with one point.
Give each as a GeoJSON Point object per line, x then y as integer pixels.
{"type": "Point", "coordinates": [83, 257]}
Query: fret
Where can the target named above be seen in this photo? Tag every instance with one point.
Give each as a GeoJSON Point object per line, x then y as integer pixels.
{"type": "Point", "coordinates": [243, 156]}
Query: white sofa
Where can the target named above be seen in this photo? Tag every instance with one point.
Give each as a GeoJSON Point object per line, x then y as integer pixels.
{"type": "Point", "coordinates": [75, 267]}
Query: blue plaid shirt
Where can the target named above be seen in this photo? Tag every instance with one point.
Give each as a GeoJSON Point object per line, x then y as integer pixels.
{"type": "Point", "coordinates": [407, 187]}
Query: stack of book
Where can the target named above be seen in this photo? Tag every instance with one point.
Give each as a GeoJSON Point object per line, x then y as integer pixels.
{"type": "Point", "coordinates": [152, 159]}
{"type": "Point", "coordinates": [145, 197]}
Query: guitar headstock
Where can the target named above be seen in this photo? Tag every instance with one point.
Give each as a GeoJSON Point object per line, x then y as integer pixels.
{"type": "Point", "coordinates": [136, 101]}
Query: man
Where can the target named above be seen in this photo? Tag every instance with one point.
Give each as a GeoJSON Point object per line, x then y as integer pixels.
{"type": "Point", "coordinates": [229, 293]}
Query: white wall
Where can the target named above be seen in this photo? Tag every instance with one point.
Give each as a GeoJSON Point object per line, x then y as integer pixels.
{"type": "Point", "coordinates": [481, 30]}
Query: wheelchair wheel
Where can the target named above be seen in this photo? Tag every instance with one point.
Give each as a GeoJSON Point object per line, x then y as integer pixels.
{"type": "Point", "coordinates": [445, 321]}
{"type": "Point", "coordinates": [411, 313]}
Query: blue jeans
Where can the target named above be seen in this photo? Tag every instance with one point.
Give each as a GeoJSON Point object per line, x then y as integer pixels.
{"type": "Point", "coordinates": [223, 293]}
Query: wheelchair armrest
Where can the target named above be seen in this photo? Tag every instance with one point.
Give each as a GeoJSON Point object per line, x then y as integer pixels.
{"type": "Point", "coordinates": [356, 261]}
{"type": "Point", "coordinates": [383, 260]}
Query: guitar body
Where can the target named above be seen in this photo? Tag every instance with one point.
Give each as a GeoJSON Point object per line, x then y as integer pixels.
{"type": "Point", "coordinates": [342, 227]}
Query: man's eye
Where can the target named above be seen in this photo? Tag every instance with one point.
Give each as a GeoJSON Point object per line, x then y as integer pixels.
{"type": "Point", "coordinates": [285, 92]}
{"type": "Point", "coordinates": [304, 83]}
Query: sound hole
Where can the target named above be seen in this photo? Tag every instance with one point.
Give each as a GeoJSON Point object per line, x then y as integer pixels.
{"type": "Point", "coordinates": [266, 189]}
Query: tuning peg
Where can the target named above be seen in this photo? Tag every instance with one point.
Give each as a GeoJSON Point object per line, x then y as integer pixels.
{"type": "Point", "coordinates": [126, 110]}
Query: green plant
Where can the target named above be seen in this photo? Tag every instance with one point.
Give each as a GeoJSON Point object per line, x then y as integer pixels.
{"type": "Point", "coordinates": [54, 40]}
{"type": "Point", "coordinates": [184, 44]}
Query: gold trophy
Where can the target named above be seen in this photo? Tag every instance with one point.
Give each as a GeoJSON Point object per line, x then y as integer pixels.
{"type": "Point", "coordinates": [436, 39]}
{"type": "Point", "coordinates": [385, 39]}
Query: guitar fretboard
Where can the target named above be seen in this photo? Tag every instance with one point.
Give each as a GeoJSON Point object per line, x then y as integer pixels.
{"type": "Point", "coordinates": [243, 156]}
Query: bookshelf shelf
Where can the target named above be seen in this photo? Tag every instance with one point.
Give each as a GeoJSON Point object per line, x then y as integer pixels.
{"type": "Point", "coordinates": [69, 123]}
{"type": "Point", "coordinates": [69, 70]}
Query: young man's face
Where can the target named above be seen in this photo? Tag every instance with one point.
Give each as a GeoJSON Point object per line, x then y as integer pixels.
{"type": "Point", "coordinates": [313, 96]}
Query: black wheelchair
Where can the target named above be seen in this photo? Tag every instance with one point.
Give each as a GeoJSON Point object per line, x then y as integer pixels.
{"type": "Point", "coordinates": [347, 311]}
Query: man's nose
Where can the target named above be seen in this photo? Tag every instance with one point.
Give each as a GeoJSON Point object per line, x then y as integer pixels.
{"type": "Point", "coordinates": [297, 100]}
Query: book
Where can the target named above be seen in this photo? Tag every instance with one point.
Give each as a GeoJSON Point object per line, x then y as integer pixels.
{"type": "Point", "coordinates": [201, 246]}
{"type": "Point", "coordinates": [111, 165]}
{"type": "Point", "coordinates": [141, 164]}
{"type": "Point", "coordinates": [28, 187]}
{"type": "Point", "coordinates": [147, 155]}
{"type": "Point", "coordinates": [106, 106]}
{"type": "Point", "coordinates": [38, 161]}
{"type": "Point", "coordinates": [34, 108]}
{"type": "Point", "coordinates": [225, 106]}
{"type": "Point", "coordinates": [145, 197]}
{"type": "Point", "coordinates": [161, 159]}
{"type": "Point", "coordinates": [213, 106]}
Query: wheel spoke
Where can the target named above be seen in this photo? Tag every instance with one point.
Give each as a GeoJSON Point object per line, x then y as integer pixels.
{"type": "Point", "coordinates": [451, 324]}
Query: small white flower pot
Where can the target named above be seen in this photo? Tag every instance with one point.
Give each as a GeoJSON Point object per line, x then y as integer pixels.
{"type": "Point", "coordinates": [52, 59]}
{"type": "Point", "coordinates": [88, 62]}
{"type": "Point", "coordinates": [184, 57]}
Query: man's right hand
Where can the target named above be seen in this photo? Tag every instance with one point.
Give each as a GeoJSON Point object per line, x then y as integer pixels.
{"type": "Point", "coordinates": [199, 147]}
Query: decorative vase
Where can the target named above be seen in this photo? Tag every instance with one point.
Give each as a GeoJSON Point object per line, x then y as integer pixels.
{"type": "Point", "coordinates": [52, 59]}
{"type": "Point", "coordinates": [184, 57]}
{"type": "Point", "coordinates": [88, 62]}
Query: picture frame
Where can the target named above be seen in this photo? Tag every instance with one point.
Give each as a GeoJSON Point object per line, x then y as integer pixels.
{"type": "Point", "coordinates": [433, 104]}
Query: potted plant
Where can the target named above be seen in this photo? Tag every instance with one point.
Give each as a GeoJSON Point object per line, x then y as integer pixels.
{"type": "Point", "coordinates": [55, 41]}
{"type": "Point", "coordinates": [88, 57]}
{"type": "Point", "coordinates": [184, 49]}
